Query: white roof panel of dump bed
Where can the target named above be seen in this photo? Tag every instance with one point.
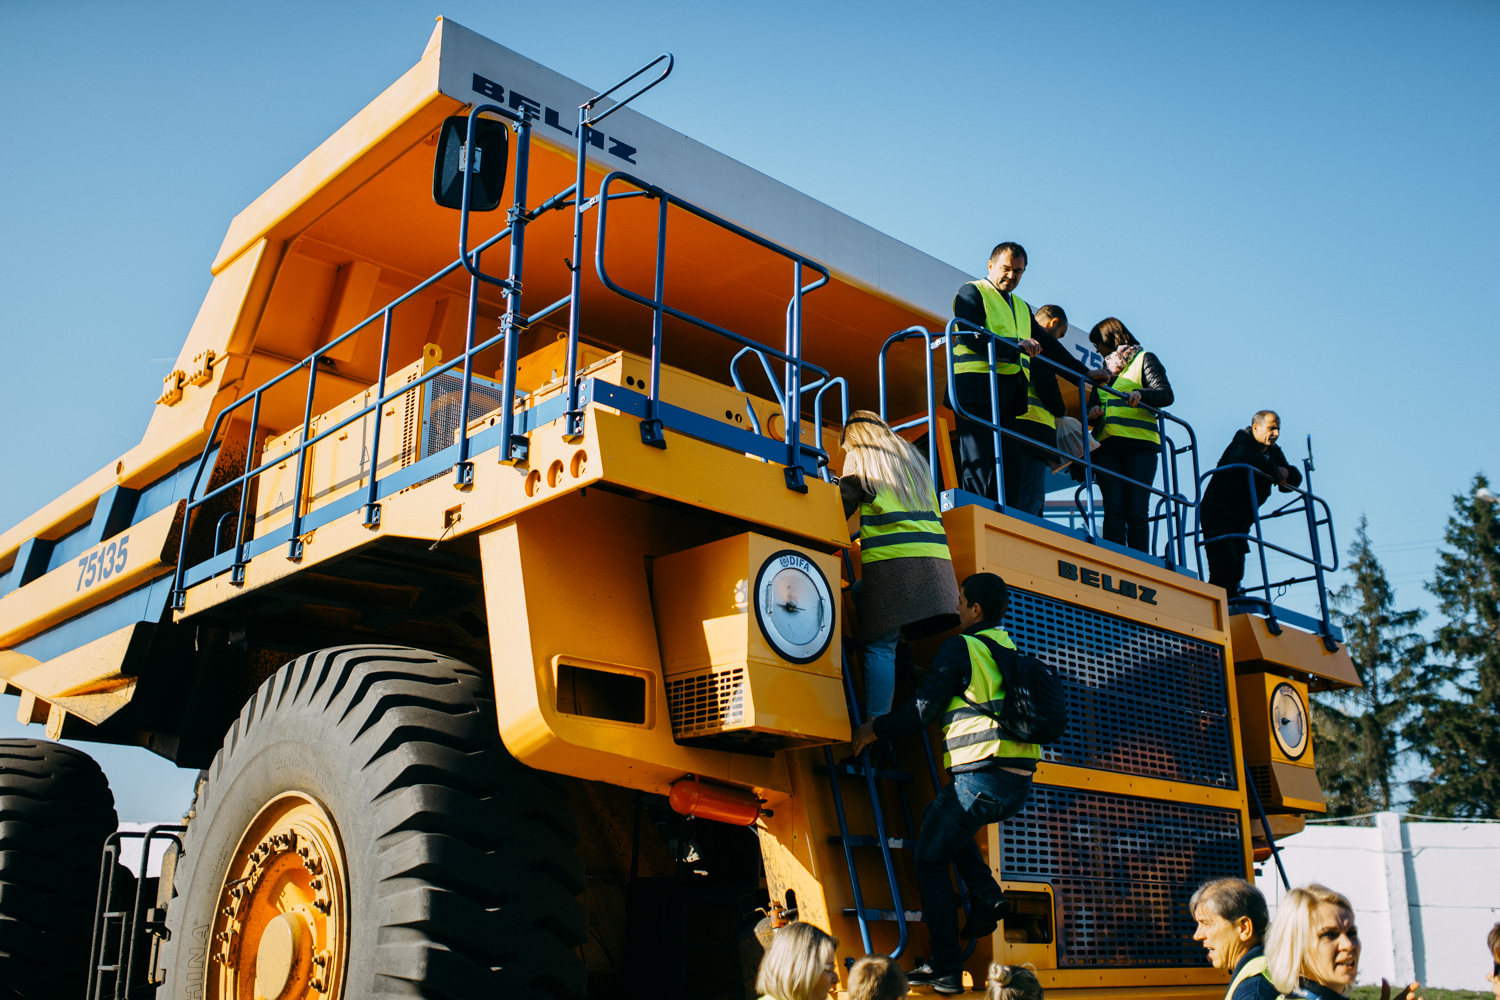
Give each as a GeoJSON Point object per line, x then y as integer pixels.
{"type": "Point", "coordinates": [475, 70]}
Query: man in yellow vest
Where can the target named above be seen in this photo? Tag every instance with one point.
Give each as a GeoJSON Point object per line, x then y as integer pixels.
{"type": "Point", "coordinates": [963, 690]}
{"type": "Point", "coordinates": [1027, 396]}
{"type": "Point", "coordinates": [1232, 920]}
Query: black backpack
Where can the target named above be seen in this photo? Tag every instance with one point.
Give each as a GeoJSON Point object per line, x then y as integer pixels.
{"type": "Point", "coordinates": [1034, 710]}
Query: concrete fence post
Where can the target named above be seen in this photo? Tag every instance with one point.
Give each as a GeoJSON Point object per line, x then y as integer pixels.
{"type": "Point", "coordinates": [1393, 854]}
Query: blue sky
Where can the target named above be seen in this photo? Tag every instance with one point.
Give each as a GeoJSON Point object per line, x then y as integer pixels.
{"type": "Point", "coordinates": [1293, 204]}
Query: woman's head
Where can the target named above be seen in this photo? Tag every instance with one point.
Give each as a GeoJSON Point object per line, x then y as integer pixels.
{"type": "Point", "coordinates": [1109, 334]}
{"type": "Point", "coordinates": [799, 964]}
{"type": "Point", "coordinates": [1012, 982]}
{"type": "Point", "coordinates": [1494, 943]}
{"type": "Point", "coordinates": [883, 460]}
{"type": "Point", "coordinates": [1313, 936]}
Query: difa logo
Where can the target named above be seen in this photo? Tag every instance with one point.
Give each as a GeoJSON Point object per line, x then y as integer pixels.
{"type": "Point", "coordinates": [1094, 578]}
{"type": "Point", "coordinates": [525, 105]}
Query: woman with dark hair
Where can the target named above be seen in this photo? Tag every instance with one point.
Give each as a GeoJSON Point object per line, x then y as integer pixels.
{"type": "Point", "coordinates": [1127, 432]}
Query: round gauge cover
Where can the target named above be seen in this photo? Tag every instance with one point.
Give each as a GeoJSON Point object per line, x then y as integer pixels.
{"type": "Point", "coordinates": [794, 606]}
{"type": "Point", "coordinates": [1289, 721]}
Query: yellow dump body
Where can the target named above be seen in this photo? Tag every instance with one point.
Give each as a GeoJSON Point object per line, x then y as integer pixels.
{"type": "Point", "coordinates": [612, 586]}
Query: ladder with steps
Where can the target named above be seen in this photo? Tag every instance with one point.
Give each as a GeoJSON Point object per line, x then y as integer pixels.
{"type": "Point", "coordinates": [867, 769]}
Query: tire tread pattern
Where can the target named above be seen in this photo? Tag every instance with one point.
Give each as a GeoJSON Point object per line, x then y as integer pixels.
{"type": "Point", "coordinates": [475, 880]}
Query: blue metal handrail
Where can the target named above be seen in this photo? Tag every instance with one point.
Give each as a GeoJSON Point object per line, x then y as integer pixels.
{"type": "Point", "coordinates": [817, 387]}
{"type": "Point", "coordinates": [790, 357]}
{"type": "Point", "coordinates": [1172, 495]}
{"type": "Point", "coordinates": [1314, 559]}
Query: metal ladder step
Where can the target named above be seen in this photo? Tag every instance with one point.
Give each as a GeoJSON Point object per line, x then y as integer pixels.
{"type": "Point", "coordinates": [894, 843]}
{"type": "Point", "coordinates": [912, 916]}
{"type": "Point", "coordinates": [858, 771]}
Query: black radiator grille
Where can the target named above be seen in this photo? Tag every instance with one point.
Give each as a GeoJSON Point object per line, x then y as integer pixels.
{"type": "Point", "coordinates": [1122, 870]}
{"type": "Point", "coordinates": [1141, 700]}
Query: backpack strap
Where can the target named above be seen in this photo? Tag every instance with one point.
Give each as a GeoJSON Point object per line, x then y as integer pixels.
{"type": "Point", "coordinates": [1005, 664]}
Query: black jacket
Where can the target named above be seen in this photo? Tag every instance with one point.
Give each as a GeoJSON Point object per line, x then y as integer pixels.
{"type": "Point", "coordinates": [948, 676]}
{"type": "Point", "coordinates": [1226, 502]}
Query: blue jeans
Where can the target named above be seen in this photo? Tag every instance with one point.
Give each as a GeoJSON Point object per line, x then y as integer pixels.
{"type": "Point", "coordinates": [966, 805]}
{"type": "Point", "coordinates": [880, 674]}
{"type": "Point", "coordinates": [880, 663]}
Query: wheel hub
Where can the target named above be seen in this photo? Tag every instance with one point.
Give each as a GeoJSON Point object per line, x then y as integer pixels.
{"type": "Point", "coordinates": [280, 929]}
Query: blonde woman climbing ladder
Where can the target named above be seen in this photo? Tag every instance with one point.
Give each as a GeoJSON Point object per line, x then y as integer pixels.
{"type": "Point", "coordinates": [907, 587]}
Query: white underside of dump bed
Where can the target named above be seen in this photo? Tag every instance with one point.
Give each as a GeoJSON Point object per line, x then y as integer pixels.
{"type": "Point", "coordinates": [692, 171]}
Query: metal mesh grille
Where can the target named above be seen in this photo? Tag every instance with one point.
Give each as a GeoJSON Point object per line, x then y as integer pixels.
{"type": "Point", "coordinates": [446, 392]}
{"type": "Point", "coordinates": [1141, 700]}
{"type": "Point", "coordinates": [1122, 870]}
{"type": "Point", "coordinates": [704, 703]}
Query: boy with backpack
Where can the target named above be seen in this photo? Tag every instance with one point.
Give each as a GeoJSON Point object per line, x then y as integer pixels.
{"type": "Point", "coordinates": [996, 707]}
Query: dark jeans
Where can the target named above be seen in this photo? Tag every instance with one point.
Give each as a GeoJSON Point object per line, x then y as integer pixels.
{"type": "Point", "coordinates": [1226, 559]}
{"type": "Point", "coordinates": [966, 805]}
{"type": "Point", "coordinates": [1025, 482]}
{"type": "Point", "coordinates": [1126, 502]}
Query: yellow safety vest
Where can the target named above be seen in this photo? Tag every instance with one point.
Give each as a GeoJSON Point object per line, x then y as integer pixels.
{"type": "Point", "coordinates": [1034, 408]}
{"type": "Point", "coordinates": [1257, 966]}
{"type": "Point", "coordinates": [1124, 421]}
{"type": "Point", "coordinates": [1011, 321]}
{"type": "Point", "coordinates": [888, 531]}
{"type": "Point", "coordinates": [969, 735]}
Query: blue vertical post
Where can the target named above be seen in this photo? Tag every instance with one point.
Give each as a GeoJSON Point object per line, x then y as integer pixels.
{"type": "Point", "coordinates": [237, 570]}
{"type": "Point", "coordinates": [294, 544]}
{"type": "Point", "coordinates": [372, 507]}
{"type": "Point", "coordinates": [514, 447]}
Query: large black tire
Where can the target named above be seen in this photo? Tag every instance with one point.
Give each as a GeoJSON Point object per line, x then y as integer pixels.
{"type": "Point", "coordinates": [55, 812]}
{"type": "Point", "coordinates": [462, 879]}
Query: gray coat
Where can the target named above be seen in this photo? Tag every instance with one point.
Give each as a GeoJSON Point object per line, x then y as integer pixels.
{"type": "Point", "coordinates": [918, 595]}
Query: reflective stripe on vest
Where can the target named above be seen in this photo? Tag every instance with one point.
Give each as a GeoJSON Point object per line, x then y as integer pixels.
{"type": "Point", "coordinates": [1257, 966]}
{"type": "Point", "coordinates": [886, 531]}
{"type": "Point", "coordinates": [1120, 420]}
{"type": "Point", "coordinates": [1035, 410]}
{"type": "Point", "coordinates": [970, 736]}
{"type": "Point", "coordinates": [1007, 320]}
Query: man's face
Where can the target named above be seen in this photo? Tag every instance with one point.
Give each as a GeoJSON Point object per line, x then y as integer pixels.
{"type": "Point", "coordinates": [969, 615]}
{"type": "Point", "coordinates": [1336, 942]}
{"type": "Point", "coordinates": [1005, 271]}
{"type": "Point", "coordinates": [1225, 942]}
{"type": "Point", "coordinates": [1268, 430]}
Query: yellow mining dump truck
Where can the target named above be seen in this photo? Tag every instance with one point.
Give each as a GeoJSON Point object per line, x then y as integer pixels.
{"type": "Point", "coordinates": [502, 600]}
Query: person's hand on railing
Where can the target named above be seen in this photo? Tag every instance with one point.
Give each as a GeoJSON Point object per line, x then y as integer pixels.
{"type": "Point", "coordinates": [1100, 374]}
{"type": "Point", "coordinates": [1133, 397]}
{"type": "Point", "coordinates": [1031, 346]}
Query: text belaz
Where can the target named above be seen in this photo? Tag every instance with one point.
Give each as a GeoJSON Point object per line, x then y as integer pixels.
{"type": "Point", "coordinates": [1094, 578]}
{"type": "Point", "coordinates": [535, 109]}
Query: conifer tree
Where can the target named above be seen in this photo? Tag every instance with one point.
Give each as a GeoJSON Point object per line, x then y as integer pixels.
{"type": "Point", "coordinates": [1359, 744]}
{"type": "Point", "coordinates": [1458, 730]}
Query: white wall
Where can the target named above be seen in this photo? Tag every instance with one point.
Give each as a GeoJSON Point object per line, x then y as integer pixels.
{"type": "Point", "coordinates": [1439, 881]}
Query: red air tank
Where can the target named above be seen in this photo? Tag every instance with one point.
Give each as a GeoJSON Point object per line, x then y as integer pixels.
{"type": "Point", "coordinates": [692, 797]}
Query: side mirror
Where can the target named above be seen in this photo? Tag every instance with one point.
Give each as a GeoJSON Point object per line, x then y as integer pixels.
{"type": "Point", "coordinates": [490, 160]}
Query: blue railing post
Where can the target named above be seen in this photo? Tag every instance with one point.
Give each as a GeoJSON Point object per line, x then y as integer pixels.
{"type": "Point", "coordinates": [372, 506]}
{"type": "Point", "coordinates": [651, 428]}
{"type": "Point", "coordinates": [237, 570]}
{"type": "Point", "coordinates": [294, 544]}
{"type": "Point", "coordinates": [514, 447]}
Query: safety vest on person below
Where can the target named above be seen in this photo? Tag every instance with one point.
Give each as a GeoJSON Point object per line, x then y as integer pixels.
{"type": "Point", "coordinates": [1257, 966]}
{"type": "Point", "coordinates": [1120, 420]}
{"type": "Point", "coordinates": [1035, 410]}
{"type": "Point", "coordinates": [969, 735]}
{"type": "Point", "coordinates": [889, 531]}
{"type": "Point", "coordinates": [1008, 320]}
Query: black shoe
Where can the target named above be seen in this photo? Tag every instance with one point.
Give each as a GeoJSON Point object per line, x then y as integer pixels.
{"type": "Point", "coordinates": [942, 982]}
{"type": "Point", "coordinates": [986, 910]}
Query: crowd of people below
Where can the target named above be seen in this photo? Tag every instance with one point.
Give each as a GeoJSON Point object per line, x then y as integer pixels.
{"type": "Point", "coordinates": [1119, 429]}
{"type": "Point", "coordinates": [1310, 951]}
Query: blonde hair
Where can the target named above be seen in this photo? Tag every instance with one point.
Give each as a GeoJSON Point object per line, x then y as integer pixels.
{"type": "Point", "coordinates": [877, 977]}
{"type": "Point", "coordinates": [1290, 952]}
{"type": "Point", "coordinates": [1012, 982]}
{"type": "Point", "coordinates": [795, 961]}
{"type": "Point", "coordinates": [884, 460]}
